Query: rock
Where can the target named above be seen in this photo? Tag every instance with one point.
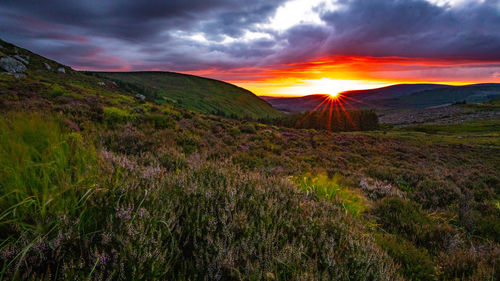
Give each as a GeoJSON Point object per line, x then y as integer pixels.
{"type": "Point", "coordinates": [11, 65]}
{"type": "Point", "coordinates": [19, 58]}
{"type": "Point", "coordinates": [19, 75]}
{"type": "Point", "coordinates": [49, 68]}
{"type": "Point", "coordinates": [101, 83]}
{"type": "Point", "coordinates": [140, 97]}
{"type": "Point", "coordinates": [61, 70]}
{"type": "Point", "coordinates": [138, 109]}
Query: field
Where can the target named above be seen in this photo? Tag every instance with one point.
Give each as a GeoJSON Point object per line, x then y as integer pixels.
{"type": "Point", "coordinates": [197, 196]}
{"type": "Point", "coordinates": [98, 185]}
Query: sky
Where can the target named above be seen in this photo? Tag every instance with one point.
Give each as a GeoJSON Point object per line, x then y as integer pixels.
{"type": "Point", "coordinates": [278, 47]}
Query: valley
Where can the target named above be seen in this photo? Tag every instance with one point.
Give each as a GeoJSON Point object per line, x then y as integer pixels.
{"type": "Point", "coordinates": [165, 176]}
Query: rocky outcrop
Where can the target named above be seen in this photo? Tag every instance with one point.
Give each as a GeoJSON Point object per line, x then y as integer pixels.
{"type": "Point", "coordinates": [61, 70]}
{"type": "Point", "coordinates": [11, 65]}
{"type": "Point", "coordinates": [49, 68]}
{"type": "Point", "coordinates": [21, 59]}
{"type": "Point", "coordinates": [140, 97]}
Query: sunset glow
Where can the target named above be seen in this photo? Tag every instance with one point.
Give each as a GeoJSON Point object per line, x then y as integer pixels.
{"type": "Point", "coordinates": [325, 86]}
{"type": "Point", "coordinates": [337, 74]}
{"type": "Point", "coordinates": [277, 48]}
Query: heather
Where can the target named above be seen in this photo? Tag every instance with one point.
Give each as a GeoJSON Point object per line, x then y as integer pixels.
{"type": "Point", "coordinates": [208, 198]}
{"type": "Point", "coordinates": [98, 184]}
{"type": "Point", "coordinates": [334, 119]}
{"type": "Point", "coordinates": [139, 217]}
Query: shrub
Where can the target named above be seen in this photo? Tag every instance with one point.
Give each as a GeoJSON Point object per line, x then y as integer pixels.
{"type": "Point", "coordinates": [203, 223]}
{"type": "Point", "coordinates": [115, 115]}
{"type": "Point", "coordinates": [173, 161]}
{"type": "Point", "coordinates": [234, 131]}
{"type": "Point", "coordinates": [416, 264]}
{"type": "Point", "coordinates": [127, 139]}
{"type": "Point", "coordinates": [472, 263]}
{"type": "Point", "coordinates": [56, 91]}
{"type": "Point", "coordinates": [433, 194]}
{"type": "Point", "coordinates": [488, 225]}
{"type": "Point", "coordinates": [381, 173]}
{"type": "Point", "coordinates": [188, 142]}
{"type": "Point", "coordinates": [248, 128]}
{"type": "Point", "coordinates": [407, 219]}
{"type": "Point", "coordinates": [160, 121]}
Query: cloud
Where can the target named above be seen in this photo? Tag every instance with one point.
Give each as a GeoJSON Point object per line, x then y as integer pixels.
{"type": "Point", "coordinates": [225, 35]}
{"type": "Point", "coordinates": [415, 28]}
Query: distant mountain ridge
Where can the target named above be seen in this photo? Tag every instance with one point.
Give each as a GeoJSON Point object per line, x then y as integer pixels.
{"type": "Point", "coordinates": [400, 96]}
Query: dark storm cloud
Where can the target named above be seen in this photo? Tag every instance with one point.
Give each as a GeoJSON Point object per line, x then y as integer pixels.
{"type": "Point", "coordinates": [192, 35]}
{"type": "Point", "coordinates": [416, 29]}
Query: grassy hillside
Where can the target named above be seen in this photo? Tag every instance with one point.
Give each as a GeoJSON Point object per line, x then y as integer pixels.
{"type": "Point", "coordinates": [195, 93]}
{"type": "Point", "coordinates": [469, 93]}
{"type": "Point", "coordinates": [393, 91]}
{"type": "Point", "coordinates": [97, 185]}
{"type": "Point", "coordinates": [163, 89]}
{"type": "Point", "coordinates": [396, 97]}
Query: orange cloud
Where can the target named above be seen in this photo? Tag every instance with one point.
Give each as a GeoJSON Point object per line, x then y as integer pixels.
{"type": "Point", "coordinates": [338, 73]}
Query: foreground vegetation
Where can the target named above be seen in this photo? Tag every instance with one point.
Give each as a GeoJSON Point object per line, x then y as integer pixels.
{"type": "Point", "coordinates": [98, 185]}
{"type": "Point", "coordinates": [163, 217]}
{"type": "Point", "coordinates": [337, 120]}
{"type": "Point", "coordinates": [205, 197]}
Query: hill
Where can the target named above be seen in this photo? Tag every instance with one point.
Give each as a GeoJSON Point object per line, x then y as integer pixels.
{"type": "Point", "coordinates": [177, 90]}
{"type": "Point", "coordinates": [194, 93]}
{"type": "Point", "coordinates": [435, 97]}
{"type": "Point", "coordinates": [395, 97]}
{"type": "Point", "coordinates": [96, 184]}
{"type": "Point", "coordinates": [295, 104]}
{"type": "Point", "coordinates": [392, 92]}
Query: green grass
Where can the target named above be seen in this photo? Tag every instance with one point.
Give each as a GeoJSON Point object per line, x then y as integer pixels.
{"type": "Point", "coordinates": [483, 126]}
{"type": "Point", "coordinates": [416, 263]}
{"type": "Point", "coordinates": [47, 167]}
{"type": "Point", "coordinates": [195, 93]}
{"type": "Point", "coordinates": [331, 189]}
{"type": "Point", "coordinates": [114, 115]}
{"type": "Point", "coordinates": [485, 133]}
{"type": "Point", "coordinates": [491, 105]}
{"type": "Point", "coordinates": [44, 174]}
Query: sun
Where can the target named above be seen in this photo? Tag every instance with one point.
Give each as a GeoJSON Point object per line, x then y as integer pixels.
{"type": "Point", "coordinates": [334, 95]}
{"type": "Point", "coordinates": [331, 87]}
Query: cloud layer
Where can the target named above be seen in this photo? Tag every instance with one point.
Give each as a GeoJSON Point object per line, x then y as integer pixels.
{"type": "Point", "coordinates": [220, 37]}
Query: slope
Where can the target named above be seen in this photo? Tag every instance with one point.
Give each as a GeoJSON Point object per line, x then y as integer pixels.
{"type": "Point", "coordinates": [25, 71]}
{"type": "Point", "coordinates": [451, 94]}
{"type": "Point", "coordinates": [195, 93]}
{"type": "Point", "coordinates": [396, 97]}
